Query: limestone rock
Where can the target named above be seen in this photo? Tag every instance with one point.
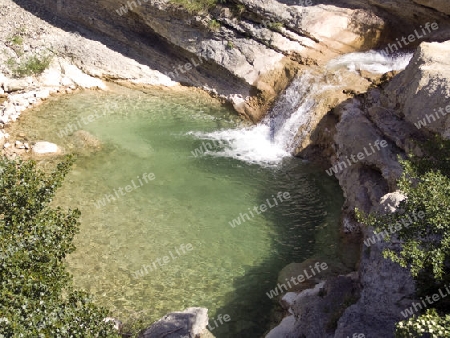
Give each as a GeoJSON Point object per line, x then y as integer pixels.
{"type": "Point", "coordinates": [191, 322]}
{"type": "Point", "coordinates": [361, 179]}
{"type": "Point", "coordinates": [387, 289]}
{"type": "Point", "coordinates": [422, 92]}
{"type": "Point", "coordinates": [297, 269]}
{"type": "Point", "coordinates": [440, 5]}
{"type": "Point", "coordinates": [3, 97]}
{"type": "Point", "coordinates": [390, 202]}
{"type": "Point", "coordinates": [315, 310]}
{"type": "Point", "coordinates": [44, 148]}
{"type": "Point", "coordinates": [238, 103]}
{"type": "Point", "coordinates": [421, 89]}
{"type": "Point", "coordinates": [51, 77]}
{"type": "Point", "coordinates": [81, 79]}
{"type": "Point", "coordinates": [284, 329]}
{"type": "Point", "coordinates": [14, 85]}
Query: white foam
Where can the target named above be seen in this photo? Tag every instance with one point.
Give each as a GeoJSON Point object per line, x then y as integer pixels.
{"type": "Point", "coordinates": [251, 145]}
{"type": "Point", "coordinates": [274, 138]}
{"type": "Point", "coordinates": [373, 61]}
{"type": "Point", "coordinates": [277, 136]}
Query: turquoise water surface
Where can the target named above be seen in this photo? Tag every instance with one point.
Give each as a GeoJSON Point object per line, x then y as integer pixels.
{"type": "Point", "coordinates": [178, 224]}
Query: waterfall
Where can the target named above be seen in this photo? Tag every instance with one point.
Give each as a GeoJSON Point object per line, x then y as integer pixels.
{"type": "Point", "coordinates": [372, 61]}
{"type": "Point", "coordinates": [288, 122]}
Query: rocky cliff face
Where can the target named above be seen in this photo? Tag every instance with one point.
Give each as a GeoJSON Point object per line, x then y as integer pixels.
{"type": "Point", "coordinates": [246, 52]}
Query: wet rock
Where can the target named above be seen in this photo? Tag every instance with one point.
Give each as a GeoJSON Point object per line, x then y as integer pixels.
{"type": "Point", "coordinates": [238, 103]}
{"type": "Point", "coordinates": [312, 271]}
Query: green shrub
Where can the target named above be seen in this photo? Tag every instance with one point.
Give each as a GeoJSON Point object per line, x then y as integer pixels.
{"type": "Point", "coordinates": [214, 25]}
{"type": "Point", "coordinates": [16, 40]}
{"type": "Point", "coordinates": [425, 246]}
{"type": "Point", "coordinates": [33, 65]}
{"type": "Point", "coordinates": [36, 294]}
{"type": "Point", "coordinates": [429, 325]}
{"type": "Point", "coordinates": [426, 183]}
{"type": "Point", "coordinates": [276, 26]}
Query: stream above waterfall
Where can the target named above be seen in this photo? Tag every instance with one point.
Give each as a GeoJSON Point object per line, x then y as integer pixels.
{"type": "Point", "coordinates": [289, 121]}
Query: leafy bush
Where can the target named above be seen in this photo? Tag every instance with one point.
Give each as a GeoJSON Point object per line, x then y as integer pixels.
{"type": "Point", "coordinates": [425, 246]}
{"type": "Point", "coordinates": [33, 65]}
{"type": "Point", "coordinates": [36, 294]}
{"type": "Point", "coordinates": [426, 183]}
{"type": "Point", "coordinates": [429, 325]}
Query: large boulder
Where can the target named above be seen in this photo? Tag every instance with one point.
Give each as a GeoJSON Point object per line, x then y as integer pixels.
{"type": "Point", "coordinates": [366, 161]}
{"type": "Point", "coordinates": [421, 94]}
{"type": "Point", "coordinates": [314, 312]}
{"type": "Point", "coordinates": [190, 323]}
{"type": "Point", "coordinates": [45, 148]}
{"type": "Point", "coordinates": [387, 289]}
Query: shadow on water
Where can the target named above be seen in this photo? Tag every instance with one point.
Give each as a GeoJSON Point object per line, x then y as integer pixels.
{"type": "Point", "coordinates": [315, 201]}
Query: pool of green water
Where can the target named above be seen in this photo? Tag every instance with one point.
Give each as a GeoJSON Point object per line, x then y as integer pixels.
{"type": "Point", "coordinates": [190, 203]}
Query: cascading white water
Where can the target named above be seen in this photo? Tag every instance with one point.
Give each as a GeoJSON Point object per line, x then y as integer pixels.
{"type": "Point", "coordinates": [372, 61]}
{"type": "Point", "coordinates": [277, 136]}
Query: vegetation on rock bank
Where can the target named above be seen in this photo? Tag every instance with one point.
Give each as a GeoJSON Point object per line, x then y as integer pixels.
{"type": "Point", "coordinates": [425, 246]}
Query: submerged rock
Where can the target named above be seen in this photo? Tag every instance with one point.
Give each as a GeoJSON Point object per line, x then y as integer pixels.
{"type": "Point", "coordinates": [86, 140]}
